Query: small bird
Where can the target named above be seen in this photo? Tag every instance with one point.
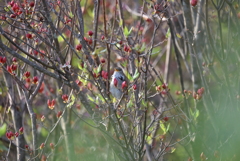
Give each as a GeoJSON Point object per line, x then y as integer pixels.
{"type": "Point", "coordinates": [118, 83]}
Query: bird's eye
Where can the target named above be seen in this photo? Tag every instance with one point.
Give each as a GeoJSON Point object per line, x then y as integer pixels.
{"type": "Point", "coordinates": [121, 78]}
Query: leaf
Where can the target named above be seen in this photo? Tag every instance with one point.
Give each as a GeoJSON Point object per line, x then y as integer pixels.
{"type": "Point", "coordinates": [71, 15]}
{"type": "Point", "coordinates": [129, 76]}
{"type": "Point", "coordinates": [178, 35]}
{"type": "Point", "coordinates": [125, 31]}
{"type": "Point", "coordinates": [136, 74]}
{"type": "Point", "coordinates": [196, 114]}
{"type": "Point", "coordinates": [61, 37]}
{"type": "Point", "coordinates": [90, 98]}
{"type": "Point", "coordinates": [99, 68]}
{"type": "Point", "coordinates": [129, 104]}
{"type": "Point", "coordinates": [173, 150]}
{"type": "Point", "coordinates": [163, 128]}
{"type": "Point", "coordinates": [129, 32]}
{"type": "Point", "coordinates": [144, 103]}
{"type": "Point", "coordinates": [3, 129]}
{"type": "Point", "coordinates": [168, 33]}
{"type": "Point", "coordinates": [72, 101]}
{"type": "Point", "coordinates": [7, 9]}
{"type": "Point", "coordinates": [121, 22]}
{"type": "Point", "coordinates": [143, 47]}
{"type": "Point", "coordinates": [168, 126]}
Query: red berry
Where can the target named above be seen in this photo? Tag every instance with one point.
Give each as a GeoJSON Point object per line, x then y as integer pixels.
{"type": "Point", "coordinates": [79, 47]}
{"type": "Point", "coordinates": [35, 52]}
{"type": "Point", "coordinates": [9, 69]}
{"type": "Point", "coordinates": [59, 114]}
{"type": "Point", "coordinates": [51, 104]}
{"type": "Point", "coordinates": [16, 134]}
{"type": "Point", "coordinates": [35, 80]}
{"type": "Point", "coordinates": [42, 146]}
{"type": "Point", "coordinates": [28, 80]}
{"type": "Point", "coordinates": [10, 135]}
{"type": "Point", "coordinates": [200, 91]}
{"type": "Point", "coordinates": [194, 2]}
{"type": "Point", "coordinates": [65, 98]}
{"type": "Point", "coordinates": [103, 61]}
{"type": "Point", "coordinates": [31, 4]}
{"type": "Point", "coordinates": [104, 74]}
{"type": "Point", "coordinates": [90, 41]}
{"type": "Point", "coordinates": [79, 83]}
{"type": "Point", "coordinates": [165, 118]}
{"type": "Point", "coordinates": [42, 118]}
{"type": "Point", "coordinates": [51, 145]}
{"type": "Point", "coordinates": [13, 67]}
{"type": "Point", "coordinates": [163, 92]}
{"type": "Point", "coordinates": [120, 42]}
{"type": "Point", "coordinates": [134, 87]}
{"type": "Point", "coordinates": [126, 48]}
{"type": "Point", "coordinates": [13, 15]}
{"type": "Point", "coordinates": [26, 146]}
{"type": "Point", "coordinates": [158, 88]}
{"type": "Point", "coordinates": [27, 74]}
{"type": "Point", "coordinates": [12, 3]}
{"type": "Point", "coordinates": [21, 130]}
{"type": "Point", "coordinates": [164, 86]}
{"type": "Point", "coordinates": [3, 59]}
{"type": "Point", "coordinates": [29, 36]}
{"type": "Point", "coordinates": [3, 17]}
{"type": "Point", "coordinates": [90, 33]}
{"type": "Point", "coordinates": [102, 37]}
{"type": "Point", "coordinates": [15, 7]}
{"type": "Point", "coordinates": [14, 59]}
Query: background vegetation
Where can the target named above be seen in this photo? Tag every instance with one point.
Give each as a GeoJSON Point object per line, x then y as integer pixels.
{"type": "Point", "coordinates": [181, 59]}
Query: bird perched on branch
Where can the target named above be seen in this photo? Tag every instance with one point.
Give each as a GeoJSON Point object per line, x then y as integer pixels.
{"type": "Point", "coordinates": [118, 83]}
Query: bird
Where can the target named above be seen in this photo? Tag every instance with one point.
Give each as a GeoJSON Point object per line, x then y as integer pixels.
{"type": "Point", "coordinates": [118, 83]}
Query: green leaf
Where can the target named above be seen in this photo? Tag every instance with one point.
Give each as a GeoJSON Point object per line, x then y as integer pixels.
{"type": "Point", "coordinates": [136, 74]}
{"type": "Point", "coordinates": [129, 77]}
{"type": "Point", "coordinates": [71, 15]}
{"type": "Point", "coordinates": [99, 68]}
{"type": "Point", "coordinates": [168, 126]}
{"type": "Point", "coordinates": [121, 22]}
{"type": "Point", "coordinates": [90, 98]}
{"type": "Point", "coordinates": [196, 114]}
{"type": "Point", "coordinates": [129, 104]}
{"type": "Point", "coordinates": [178, 35]}
{"type": "Point", "coordinates": [129, 32]}
{"type": "Point", "coordinates": [7, 9]}
{"type": "Point", "coordinates": [90, 13]}
{"type": "Point", "coordinates": [143, 47]}
{"type": "Point", "coordinates": [3, 129]}
{"type": "Point", "coordinates": [144, 103]}
{"type": "Point", "coordinates": [61, 37]}
{"type": "Point", "coordinates": [173, 150]}
{"type": "Point", "coordinates": [164, 127]}
{"type": "Point", "coordinates": [168, 34]}
{"type": "Point", "coordinates": [125, 31]}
